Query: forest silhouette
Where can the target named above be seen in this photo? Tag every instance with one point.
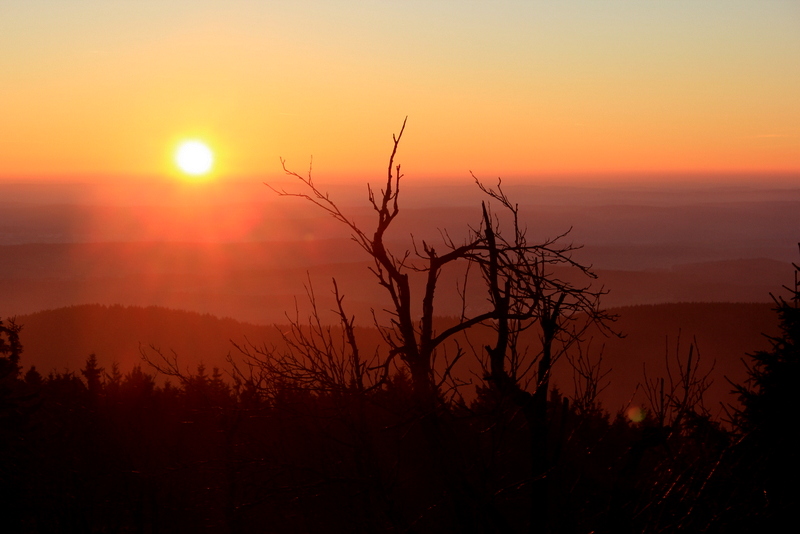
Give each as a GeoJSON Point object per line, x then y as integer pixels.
{"type": "Point", "coordinates": [99, 450]}
{"type": "Point", "coordinates": [340, 428]}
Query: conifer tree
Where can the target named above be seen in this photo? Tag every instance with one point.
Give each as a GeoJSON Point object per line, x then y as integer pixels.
{"type": "Point", "coordinates": [770, 407]}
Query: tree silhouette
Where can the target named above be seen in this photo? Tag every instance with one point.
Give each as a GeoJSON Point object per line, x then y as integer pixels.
{"type": "Point", "coordinates": [93, 374]}
{"type": "Point", "coordinates": [14, 401]}
{"type": "Point", "coordinates": [770, 406]}
{"type": "Point", "coordinates": [10, 349]}
{"type": "Point", "coordinates": [523, 292]}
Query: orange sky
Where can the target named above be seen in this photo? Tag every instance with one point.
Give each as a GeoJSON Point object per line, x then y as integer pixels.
{"type": "Point", "coordinates": [507, 88]}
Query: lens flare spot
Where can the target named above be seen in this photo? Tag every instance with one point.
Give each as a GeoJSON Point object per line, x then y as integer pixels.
{"type": "Point", "coordinates": [635, 414]}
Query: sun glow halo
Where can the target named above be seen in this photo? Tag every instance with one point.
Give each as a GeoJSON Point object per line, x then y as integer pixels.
{"type": "Point", "coordinates": [194, 157]}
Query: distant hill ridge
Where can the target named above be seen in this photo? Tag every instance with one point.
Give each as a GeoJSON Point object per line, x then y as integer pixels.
{"type": "Point", "coordinates": [257, 282]}
{"type": "Point", "coordinates": [60, 339]}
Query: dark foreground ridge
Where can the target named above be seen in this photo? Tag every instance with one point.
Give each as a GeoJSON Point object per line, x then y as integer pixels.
{"type": "Point", "coordinates": [101, 451]}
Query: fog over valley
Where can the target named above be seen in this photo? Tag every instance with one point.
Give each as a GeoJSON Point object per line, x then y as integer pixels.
{"type": "Point", "coordinates": [254, 261]}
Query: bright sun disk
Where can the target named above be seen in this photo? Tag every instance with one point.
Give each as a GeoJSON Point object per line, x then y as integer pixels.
{"type": "Point", "coordinates": [194, 158]}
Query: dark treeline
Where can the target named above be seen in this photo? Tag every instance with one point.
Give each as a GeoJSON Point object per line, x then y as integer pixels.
{"type": "Point", "coordinates": [96, 450]}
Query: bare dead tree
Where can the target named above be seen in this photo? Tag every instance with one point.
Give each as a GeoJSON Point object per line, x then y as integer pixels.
{"type": "Point", "coordinates": [523, 292]}
{"type": "Point", "coordinates": [314, 356]}
{"type": "Point", "coordinates": [414, 342]}
{"type": "Point", "coordinates": [680, 394]}
{"type": "Point", "coordinates": [589, 378]}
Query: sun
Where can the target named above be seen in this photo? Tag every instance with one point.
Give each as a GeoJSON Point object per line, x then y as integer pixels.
{"type": "Point", "coordinates": [194, 157]}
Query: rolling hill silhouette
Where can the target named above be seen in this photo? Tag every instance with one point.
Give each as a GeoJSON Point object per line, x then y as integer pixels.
{"type": "Point", "coordinates": [63, 338]}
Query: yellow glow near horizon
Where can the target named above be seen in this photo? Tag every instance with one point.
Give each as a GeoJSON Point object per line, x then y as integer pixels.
{"type": "Point", "coordinates": [573, 88]}
{"type": "Point", "coordinates": [194, 157]}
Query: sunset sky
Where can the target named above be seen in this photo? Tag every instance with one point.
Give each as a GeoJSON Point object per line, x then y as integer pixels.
{"type": "Point", "coordinates": [102, 88]}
